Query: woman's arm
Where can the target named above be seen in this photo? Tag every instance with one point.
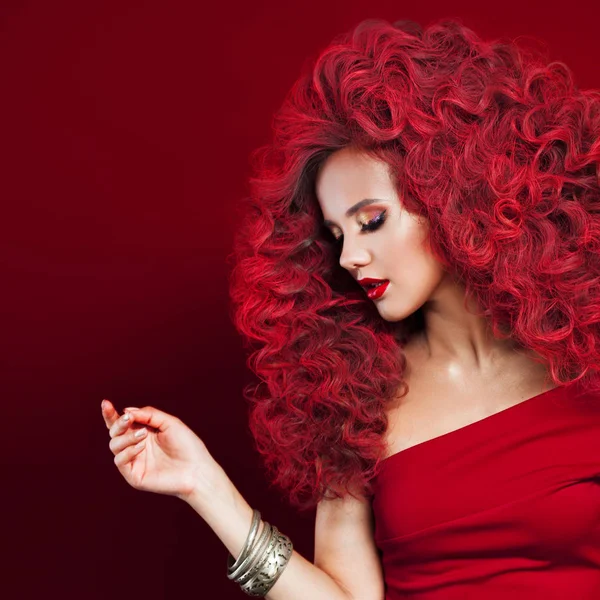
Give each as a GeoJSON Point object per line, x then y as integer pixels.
{"type": "Point", "coordinates": [345, 546]}
{"type": "Point", "coordinates": [348, 567]}
{"type": "Point", "coordinates": [171, 459]}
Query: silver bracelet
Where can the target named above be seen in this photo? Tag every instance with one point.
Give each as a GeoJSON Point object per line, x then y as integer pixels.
{"type": "Point", "coordinates": [233, 566]}
{"type": "Point", "coordinates": [271, 567]}
{"type": "Point", "coordinates": [260, 562]}
{"type": "Point", "coordinates": [262, 557]}
{"type": "Point", "coordinates": [258, 556]}
{"type": "Point", "coordinates": [253, 554]}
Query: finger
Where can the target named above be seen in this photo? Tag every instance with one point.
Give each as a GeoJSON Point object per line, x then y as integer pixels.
{"type": "Point", "coordinates": [152, 417]}
{"type": "Point", "coordinates": [120, 442]}
{"type": "Point", "coordinates": [122, 458]}
{"type": "Point", "coordinates": [121, 424]}
{"type": "Point", "coordinates": [109, 413]}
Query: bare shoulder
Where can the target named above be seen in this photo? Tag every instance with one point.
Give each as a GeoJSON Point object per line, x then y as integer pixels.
{"type": "Point", "coordinates": [443, 397]}
{"type": "Point", "coordinates": [345, 546]}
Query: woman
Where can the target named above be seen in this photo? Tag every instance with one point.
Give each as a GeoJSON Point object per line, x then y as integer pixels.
{"type": "Point", "coordinates": [418, 273]}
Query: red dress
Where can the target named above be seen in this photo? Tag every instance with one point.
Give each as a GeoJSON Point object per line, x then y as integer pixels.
{"type": "Point", "coordinates": [504, 508]}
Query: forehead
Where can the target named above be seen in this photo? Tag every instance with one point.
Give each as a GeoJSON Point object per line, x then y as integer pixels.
{"type": "Point", "coordinates": [349, 175]}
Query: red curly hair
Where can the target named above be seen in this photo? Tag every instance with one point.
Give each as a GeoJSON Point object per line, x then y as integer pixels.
{"type": "Point", "coordinates": [498, 149]}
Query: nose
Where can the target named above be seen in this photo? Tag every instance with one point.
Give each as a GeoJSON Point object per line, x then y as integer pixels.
{"type": "Point", "coordinates": [353, 255]}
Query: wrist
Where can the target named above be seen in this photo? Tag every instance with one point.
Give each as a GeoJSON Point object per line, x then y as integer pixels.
{"type": "Point", "coordinates": [208, 491]}
{"type": "Point", "coordinates": [224, 510]}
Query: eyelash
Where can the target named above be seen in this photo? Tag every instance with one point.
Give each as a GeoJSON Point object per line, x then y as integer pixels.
{"type": "Point", "coordinates": [372, 225]}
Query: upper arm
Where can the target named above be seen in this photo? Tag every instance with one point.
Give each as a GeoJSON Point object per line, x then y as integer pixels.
{"type": "Point", "coordinates": [345, 547]}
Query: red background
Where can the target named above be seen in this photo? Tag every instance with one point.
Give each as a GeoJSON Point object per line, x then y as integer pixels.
{"type": "Point", "coordinates": [126, 129]}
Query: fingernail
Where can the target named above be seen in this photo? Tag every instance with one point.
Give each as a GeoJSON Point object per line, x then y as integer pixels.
{"type": "Point", "coordinates": [131, 408]}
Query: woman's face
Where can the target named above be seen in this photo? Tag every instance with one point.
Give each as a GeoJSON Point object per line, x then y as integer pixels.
{"type": "Point", "coordinates": [380, 240]}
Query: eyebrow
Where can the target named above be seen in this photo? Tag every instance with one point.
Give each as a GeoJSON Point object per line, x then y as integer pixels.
{"type": "Point", "coordinates": [354, 209]}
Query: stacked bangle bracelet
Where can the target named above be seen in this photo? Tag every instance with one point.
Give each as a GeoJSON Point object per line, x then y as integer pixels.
{"type": "Point", "coordinates": [261, 560]}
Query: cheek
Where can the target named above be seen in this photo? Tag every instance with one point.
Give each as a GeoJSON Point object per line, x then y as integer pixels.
{"type": "Point", "coordinates": [425, 272]}
{"type": "Point", "coordinates": [404, 255]}
{"type": "Point", "coordinates": [415, 275]}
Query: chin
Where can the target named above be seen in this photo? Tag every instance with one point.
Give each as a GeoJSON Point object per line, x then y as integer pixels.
{"type": "Point", "coordinates": [393, 319]}
{"type": "Point", "coordinates": [391, 316]}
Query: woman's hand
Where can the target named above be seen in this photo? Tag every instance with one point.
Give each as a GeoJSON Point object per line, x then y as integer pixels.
{"type": "Point", "coordinates": [167, 458]}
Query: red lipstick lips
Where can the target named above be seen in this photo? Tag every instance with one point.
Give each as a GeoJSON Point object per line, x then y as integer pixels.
{"type": "Point", "coordinates": [375, 287]}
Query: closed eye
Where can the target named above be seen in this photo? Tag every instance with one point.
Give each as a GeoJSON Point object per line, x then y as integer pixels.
{"type": "Point", "coordinates": [372, 225]}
